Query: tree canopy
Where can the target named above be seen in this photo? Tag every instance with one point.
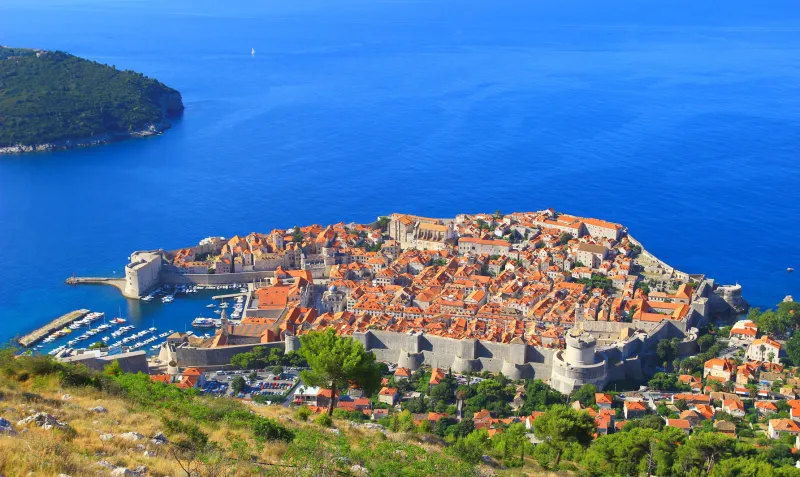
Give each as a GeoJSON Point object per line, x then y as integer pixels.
{"type": "Point", "coordinates": [56, 96]}
{"type": "Point", "coordinates": [337, 362]}
{"type": "Point", "coordinates": [561, 426]}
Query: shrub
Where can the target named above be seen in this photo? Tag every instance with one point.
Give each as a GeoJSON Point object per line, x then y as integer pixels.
{"type": "Point", "coordinates": [302, 413]}
{"type": "Point", "coordinates": [266, 429]}
{"type": "Point", "coordinates": [324, 420]}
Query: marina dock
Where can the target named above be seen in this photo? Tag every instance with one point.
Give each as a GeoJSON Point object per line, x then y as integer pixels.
{"type": "Point", "coordinates": [58, 323]}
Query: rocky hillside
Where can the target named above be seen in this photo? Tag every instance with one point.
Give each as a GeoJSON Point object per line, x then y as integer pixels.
{"type": "Point", "coordinates": [59, 419]}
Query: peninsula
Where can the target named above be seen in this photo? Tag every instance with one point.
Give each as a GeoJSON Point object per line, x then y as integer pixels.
{"type": "Point", "coordinates": [54, 100]}
{"type": "Point", "coordinates": [525, 294]}
{"type": "Point", "coordinates": [535, 340]}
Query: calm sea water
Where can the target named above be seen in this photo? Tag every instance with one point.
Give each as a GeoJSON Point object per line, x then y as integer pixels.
{"type": "Point", "coordinates": [679, 119]}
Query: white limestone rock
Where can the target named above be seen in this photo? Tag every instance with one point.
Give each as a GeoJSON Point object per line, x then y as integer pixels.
{"type": "Point", "coordinates": [131, 436]}
{"type": "Point", "coordinates": [124, 472]}
{"type": "Point", "coordinates": [359, 470]}
{"type": "Point", "coordinates": [43, 420]}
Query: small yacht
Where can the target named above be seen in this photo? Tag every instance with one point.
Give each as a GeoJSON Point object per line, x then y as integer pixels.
{"type": "Point", "coordinates": [211, 305]}
{"type": "Point", "coordinates": [252, 52]}
{"type": "Point", "coordinates": [201, 322]}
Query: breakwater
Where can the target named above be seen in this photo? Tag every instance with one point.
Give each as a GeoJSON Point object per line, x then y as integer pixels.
{"type": "Point", "coordinates": [54, 325]}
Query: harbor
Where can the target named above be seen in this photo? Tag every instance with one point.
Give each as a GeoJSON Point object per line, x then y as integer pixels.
{"type": "Point", "coordinates": [60, 322]}
{"type": "Point", "coordinates": [138, 324]}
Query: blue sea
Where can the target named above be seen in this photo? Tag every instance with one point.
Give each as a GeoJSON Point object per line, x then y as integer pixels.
{"type": "Point", "coordinates": [679, 119]}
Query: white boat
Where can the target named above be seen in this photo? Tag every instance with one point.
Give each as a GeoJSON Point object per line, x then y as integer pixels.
{"type": "Point", "coordinates": [201, 322]}
{"type": "Point", "coordinates": [252, 52]}
{"type": "Point", "coordinates": [210, 305]}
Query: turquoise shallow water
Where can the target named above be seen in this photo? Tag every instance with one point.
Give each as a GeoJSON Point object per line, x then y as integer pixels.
{"type": "Point", "coordinates": [678, 120]}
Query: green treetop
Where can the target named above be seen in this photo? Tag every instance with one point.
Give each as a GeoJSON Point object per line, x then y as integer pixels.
{"type": "Point", "coordinates": [336, 362]}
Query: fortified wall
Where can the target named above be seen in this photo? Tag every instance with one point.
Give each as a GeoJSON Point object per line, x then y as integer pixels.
{"type": "Point", "coordinates": [187, 356]}
{"type": "Point", "coordinates": [175, 278]}
{"type": "Point", "coordinates": [412, 350]}
{"type": "Point", "coordinates": [142, 273]}
{"type": "Point", "coordinates": [148, 270]}
{"type": "Point", "coordinates": [582, 362]}
{"type": "Point", "coordinates": [133, 362]}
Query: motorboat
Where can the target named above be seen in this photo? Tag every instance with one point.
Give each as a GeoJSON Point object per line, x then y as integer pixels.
{"type": "Point", "coordinates": [201, 322]}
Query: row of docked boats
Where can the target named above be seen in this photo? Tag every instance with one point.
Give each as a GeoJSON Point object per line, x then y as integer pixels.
{"type": "Point", "coordinates": [76, 325]}
{"type": "Point", "coordinates": [166, 293]}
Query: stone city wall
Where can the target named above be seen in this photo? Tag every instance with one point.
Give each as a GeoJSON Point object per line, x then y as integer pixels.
{"type": "Point", "coordinates": [174, 278]}
{"type": "Point", "coordinates": [133, 362]}
{"type": "Point", "coordinates": [517, 361]}
{"type": "Point", "coordinates": [188, 356]}
{"type": "Point", "coordinates": [414, 350]}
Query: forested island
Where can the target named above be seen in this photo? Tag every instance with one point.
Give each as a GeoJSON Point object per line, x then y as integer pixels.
{"type": "Point", "coordinates": [53, 100]}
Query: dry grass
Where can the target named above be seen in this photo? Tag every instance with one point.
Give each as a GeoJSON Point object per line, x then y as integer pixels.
{"type": "Point", "coordinates": [35, 451]}
{"type": "Point", "coordinates": [77, 452]}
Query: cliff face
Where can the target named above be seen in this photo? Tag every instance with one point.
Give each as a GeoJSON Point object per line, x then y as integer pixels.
{"type": "Point", "coordinates": [171, 104]}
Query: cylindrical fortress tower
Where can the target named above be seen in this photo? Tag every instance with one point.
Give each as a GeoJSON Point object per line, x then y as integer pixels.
{"type": "Point", "coordinates": [580, 347]}
{"type": "Point", "coordinates": [578, 364]}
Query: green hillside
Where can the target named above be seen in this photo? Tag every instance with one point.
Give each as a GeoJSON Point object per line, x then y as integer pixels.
{"type": "Point", "coordinates": [55, 96]}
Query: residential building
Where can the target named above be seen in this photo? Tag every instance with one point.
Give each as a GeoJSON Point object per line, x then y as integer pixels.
{"type": "Point", "coordinates": [764, 349]}
{"type": "Point", "coordinates": [634, 409]}
{"type": "Point", "coordinates": [779, 427]}
{"type": "Point", "coordinates": [388, 396]}
{"type": "Point", "coordinates": [681, 424]}
{"type": "Point", "coordinates": [744, 330]}
{"type": "Point", "coordinates": [719, 368]}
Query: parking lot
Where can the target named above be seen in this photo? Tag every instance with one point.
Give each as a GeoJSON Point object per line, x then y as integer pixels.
{"type": "Point", "coordinates": [266, 383]}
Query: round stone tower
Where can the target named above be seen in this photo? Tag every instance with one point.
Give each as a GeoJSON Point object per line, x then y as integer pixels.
{"type": "Point", "coordinates": [578, 364]}
{"type": "Point", "coordinates": [292, 342]}
{"type": "Point", "coordinates": [580, 347]}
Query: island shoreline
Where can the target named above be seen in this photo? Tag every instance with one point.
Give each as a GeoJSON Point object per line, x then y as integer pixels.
{"type": "Point", "coordinates": [91, 141]}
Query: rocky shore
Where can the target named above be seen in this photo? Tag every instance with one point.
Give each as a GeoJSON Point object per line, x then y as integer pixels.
{"type": "Point", "coordinates": [171, 107]}
{"type": "Point", "coordinates": [149, 130]}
